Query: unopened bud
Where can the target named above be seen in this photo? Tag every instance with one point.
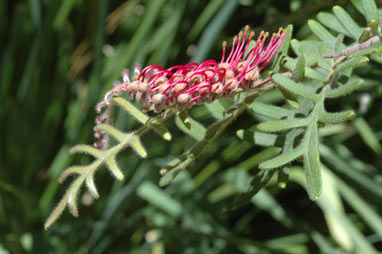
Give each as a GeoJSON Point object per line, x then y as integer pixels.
{"type": "Point", "coordinates": [183, 98]}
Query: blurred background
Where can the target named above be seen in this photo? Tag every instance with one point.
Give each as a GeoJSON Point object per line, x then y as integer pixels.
{"type": "Point", "coordinates": [57, 59]}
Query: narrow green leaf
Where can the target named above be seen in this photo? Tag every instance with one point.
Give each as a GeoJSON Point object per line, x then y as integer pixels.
{"type": "Point", "coordinates": [56, 213]}
{"type": "Point", "coordinates": [252, 162]}
{"type": "Point", "coordinates": [91, 185]}
{"type": "Point", "coordinates": [136, 113]}
{"type": "Point", "coordinates": [364, 209]}
{"type": "Point", "coordinates": [283, 49]}
{"type": "Point", "coordinates": [312, 163]}
{"type": "Point", "coordinates": [72, 195]}
{"type": "Point", "coordinates": [368, 135]}
{"type": "Point", "coordinates": [290, 97]}
{"type": "Point", "coordinates": [115, 133]}
{"type": "Point", "coordinates": [321, 32]}
{"type": "Point", "coordinates": [112, 165]}
{"type": "Point", "coordinates": [346, 89]}
{"type": "Point", "coordinates": [257, 183]}
{"type": "Point", "coordinates": [346, 20]}
{"type": "Point", "coordinates": [161, 129]}
{"type": "Point", "coordinates": [136, 144]}
{"type": "Point", "coordinates": [190, 126]}
{"type": "Point", "coordinates": [205, 173]}
{"type": "Point", "coordinates": [257, 138]}
{"type": "Point", "coordinates": [270, 110]}
{"type": "Point", "coordinates": [203, 18]}
{"type": "Point", "coordinates": [216, 109]}
{"type": "Point", "coordinates": [333, 118]}
{"type": "Point", "coordinates": [159, 198]}
{"type": "Point", "coordinates": [351, 63]}
{"type": "Point", "coordinates": [87, 149]}
{"type": "Point", "coordinates": [295, 87]}
{"type": "Point", "coordinates": [274, 126]}
{"type": "Point", "coordinates": [331, 22]}
{"type": "Point", "coordinates": [299, 69]}
{"type": "Point", "coordinates": [339, 43]}
{"type": "Point", "coordinates": [371, 10]}
{"type": "Point", "coordinates": [283, 158]}
{"type": "Point", "coordinates": [283, 177]}
{"type": "Point", "coordinates": [310, 73]}
{"type": "Point", "coordinates": [174, 171]}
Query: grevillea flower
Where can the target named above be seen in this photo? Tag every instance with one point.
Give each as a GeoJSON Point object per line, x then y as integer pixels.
{"type": "Point", "coordinates": [182, 86]}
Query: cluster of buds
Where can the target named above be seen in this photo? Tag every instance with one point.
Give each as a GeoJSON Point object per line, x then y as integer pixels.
{"type": "Point", "coordinates": [182, 86]}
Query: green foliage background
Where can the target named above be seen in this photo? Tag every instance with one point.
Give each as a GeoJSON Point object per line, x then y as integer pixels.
{"type": "Point", "coordinates": [57, 60]}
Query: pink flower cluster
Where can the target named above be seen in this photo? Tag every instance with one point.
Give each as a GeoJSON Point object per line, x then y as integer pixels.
{"type": "Point", "coordinates": [183, 85]}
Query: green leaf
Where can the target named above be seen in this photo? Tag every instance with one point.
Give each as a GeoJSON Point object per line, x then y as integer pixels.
{"type": "Point", "coordinates": [159, 198]}
{"type": "Point", "coordinates": [290, 97]}
{"type": "Point", "coordinates": [270, 110]}
{"type": "Point", "coordinates": [295, 87]}
{"type": "Point", "coordinates": [274, 126]}
{"type": "Point", "coordinates": [283, 177]}
{"type": "Point", "coordinates": [333, 118]}
{"type": "Point", "coordinates": [330, 21]}
{"type": "Point", "coordinates": [346, 89]}
{"type": "Point", "coordinates": [321, 32]}
{"type": "Point", "coordinates": [257, 138]}
{"type": "Point", "coordinates": [367, 135]}
{"type": "Point", "coordinates": [216, 109]}
{"type": "Point", "coordinates": [174, 169]}
{"type": "Point", "coordinates": [283, 158]}
{"type": "Point", "coordinates": [112, 165]}
{"type": "Point", "coordinates": [118, 135]}
{"type": "Point", "coordinates": [261, 178]}
{"type": "Point", "coordinates": [136, 113]}
{"type": "Point", "coordinates": [312, 163]}
{"type": "Point", "coordinates": [161, 129]}
{"type": "Point", "coordinates": [137, 146]}
{"type": "Point", "coordinates": [351, 63]}
{"type": "Point", "coordinates": [299, 69]}
{"type": "Point", "coordinates": [371, 10]}
{"type": "Point", "coordinates": [87, 149]}
{"type": "Point", "coordinates": [190, 126]}
{"type": "Point", "coordinates": [350, 25]}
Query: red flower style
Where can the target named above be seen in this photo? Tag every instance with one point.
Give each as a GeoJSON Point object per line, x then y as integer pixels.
{"type": "Point", "coordinates": [183, 85]}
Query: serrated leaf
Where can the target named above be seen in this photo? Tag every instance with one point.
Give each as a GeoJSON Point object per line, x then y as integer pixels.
{"type": "Point", "coordinates": [270, 110]}
{"type": "Point", "coordinates": [87, 149]}
{"type": "Point", "coordinates": [330, 21]}
{"type": "Point", "coordinates": [275, 126]}
{"type": "Point", "coordinates": [136, 144]}
{"type": "Point", "coordinates": [353, 62]}
{"type": "Point", "coordinates": [257, 138]}
{"type": "Point", "coordinates": [294, 87]}
{"type": "Point", "coordinates": [299, 69]}
{"type": "Point", "coordinates": [321, 32]}
{"type": "Point", "coordinates": [343, 90]}
{"type": "Point", "coordinates": [283, 158]}
{"type": "Point", "coordinates": [312, 163]}
{"type": "Point", "coordinates": [371, 10]}
{"type": "Point", "coordinates": [190, 126]}
{"type": "Point", "coordinates": [349, 24]}
{"type": "Point", "coordinates": [136, 113]}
